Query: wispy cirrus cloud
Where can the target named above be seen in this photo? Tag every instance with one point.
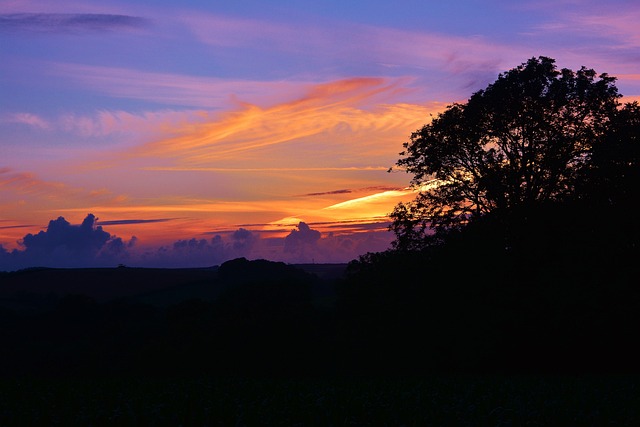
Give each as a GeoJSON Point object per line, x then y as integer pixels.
{"type": "Point", "coordinates": [173, 89]}
{"type": "Point", "coordinates": [326, 193]}
{"type": "Point", "coordinates": [349, 191]}
{"type": "Point", "coordinates": [598, 35]}
{"type": "Point", "coordinates": [105, 122]}
{"type": "Point", "coordinates": [9, 227]}
{"type": "Point", "coordinates": [28, 119]}
{"type": "Point", "coordinates": [321, 120]}
{"type": "Point", "coordinates": [134, 221]}
{"type": "Point", "coordinates": [465, 62]}
{"type": "Point", "coordinates": [29, 184]}
{"type": "Point", "coordinates": [619, 24]}
{"type": "Point", "coordinates": [473, 57]}
{"type": "Point", "coordinates": [74, 23]}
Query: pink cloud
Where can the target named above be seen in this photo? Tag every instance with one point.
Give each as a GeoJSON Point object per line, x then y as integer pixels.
{"type": "Point", "coordinates": [382, 45]}
{"type": "Point", "coordinates": [620, 24]}
{"type": "Point", "coordinates": [28, 119]}
{"type": "Point", "coordinates": [175, 89]}
{"type": "Point", "coordinates": [141, 124]}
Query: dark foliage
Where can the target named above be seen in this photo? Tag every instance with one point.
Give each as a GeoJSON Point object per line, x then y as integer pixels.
{"type": "Point", "coordinates": [533, 263]}
{"type": "Point", "coordinates": [258, 317]}
{"type": "Point", "coordinates": [526, 139]}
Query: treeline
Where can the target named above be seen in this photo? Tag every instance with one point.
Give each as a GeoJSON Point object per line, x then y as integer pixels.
{"type": "Point", "coordinates": [260, 320]}
{"type": "Point", "coordinates": [562, 297]}
{"type": "Point", "coordinates": [560, 300]}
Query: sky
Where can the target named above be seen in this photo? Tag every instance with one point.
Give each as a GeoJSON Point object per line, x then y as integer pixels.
{"type": "Point", "coordinates": [183, 134]}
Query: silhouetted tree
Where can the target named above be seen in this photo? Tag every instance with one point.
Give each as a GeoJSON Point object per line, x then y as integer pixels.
{"type": "Point", "coordinates": [614, 175]}
{"type": "Point", "coordinates": [524, 140]}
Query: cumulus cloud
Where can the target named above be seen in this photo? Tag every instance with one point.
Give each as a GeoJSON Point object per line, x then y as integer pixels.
{"type": "Point", "coordinates": [193, 252]}
{"type": "Point", "coordinates": [68, 22]}
{"type": "Point", "coordinates": [200, 252]}
{"type": "Point", "coordinates": [243, 241]}
{"type": "Point", "coordinates": [301, 238]}
{"type": "Point", "coordinates": [304, 244]}
{"type": "Point", "coordinates": [65, 245]}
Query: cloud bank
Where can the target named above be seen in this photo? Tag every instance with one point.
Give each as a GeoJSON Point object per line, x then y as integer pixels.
{"type": "Point", "coordinates": [65, 245]}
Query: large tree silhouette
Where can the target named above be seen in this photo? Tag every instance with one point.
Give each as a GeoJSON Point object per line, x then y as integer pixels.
{"type": "Point", "coordinates": [525, 140]}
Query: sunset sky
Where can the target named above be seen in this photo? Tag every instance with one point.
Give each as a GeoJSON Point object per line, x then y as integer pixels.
{"type": "Point", "coordinates": [196, 132]}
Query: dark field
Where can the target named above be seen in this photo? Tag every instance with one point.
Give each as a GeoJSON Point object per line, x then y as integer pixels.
{"type": "Point", "coordinates": [259, 343]}
{"type": "Point", "coordinates": [430, 401]}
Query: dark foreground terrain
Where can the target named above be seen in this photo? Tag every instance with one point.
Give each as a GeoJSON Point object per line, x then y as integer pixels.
{"type": "Point", "coordinates": [431, 401]}
{"type": "Point", "coordinates": [263, 343]}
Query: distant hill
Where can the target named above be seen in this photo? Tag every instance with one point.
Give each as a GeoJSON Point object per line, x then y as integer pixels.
{"type": "Point", "coordinates": [324, 271]}
{"type": "Point", "coordinates": [101, 284]}
{"type": "Point", "coordinates": [35, 289]}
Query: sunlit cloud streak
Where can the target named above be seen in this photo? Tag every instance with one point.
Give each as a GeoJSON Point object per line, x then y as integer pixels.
{"type": "Point", "coordinates": [275, 169]}
{"type": "Point", "coordinates": [133, 221]}
{"type": "Point", "coordinates": [237, 137]}
{"type": "Point", "coordinates": [371, 199]}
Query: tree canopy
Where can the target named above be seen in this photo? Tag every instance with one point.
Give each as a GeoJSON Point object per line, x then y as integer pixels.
{"type": "Point", "coordinates": [527, 139]}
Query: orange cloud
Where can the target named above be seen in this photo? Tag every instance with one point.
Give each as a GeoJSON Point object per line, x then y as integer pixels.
{"type": "Point", "coordinates": [248, 165]}
{"type": "Point", "coordinates": [28, 184]}
{"type": "Point", "coordinates": [322, 119]}
{"type": "Point", "coordinates": [28, 198]}
{"type": "Point", "coordinates": [243, 166]}
{"type": "Point", "coordinates": [25, 183]}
